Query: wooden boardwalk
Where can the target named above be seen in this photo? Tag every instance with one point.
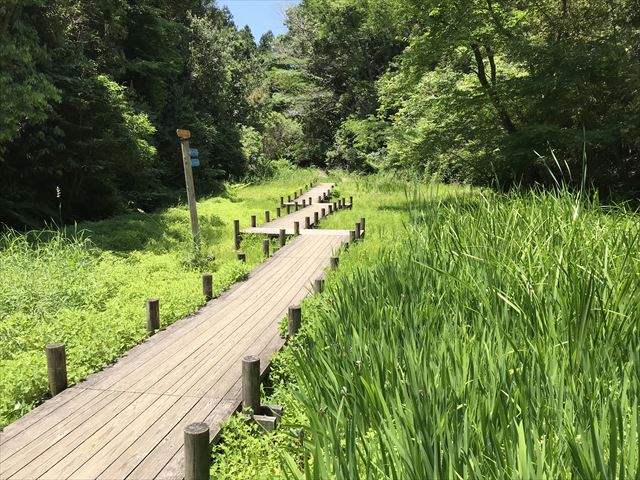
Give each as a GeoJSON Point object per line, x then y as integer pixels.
{"type": "Point", "coordinates": [127, 421]}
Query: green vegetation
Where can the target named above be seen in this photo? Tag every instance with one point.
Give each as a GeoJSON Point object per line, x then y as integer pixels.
{"type": "Point", "coordinates": [88, 288]}
{"type": "Point", "coordinates": [488, 337]}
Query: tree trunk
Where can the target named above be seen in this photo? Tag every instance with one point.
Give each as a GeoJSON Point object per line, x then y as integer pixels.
{"type": "Point", "coordinates": [490, 89]}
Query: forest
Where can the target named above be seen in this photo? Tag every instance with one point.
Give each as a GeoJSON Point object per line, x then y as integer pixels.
{"type": "Point", "coordinates": [480, 92]}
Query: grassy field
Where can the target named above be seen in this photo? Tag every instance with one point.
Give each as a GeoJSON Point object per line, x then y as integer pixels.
{"type": "Point", "coordinates": [470, 336]}
{"type": "Point", "coordinates": [87, 286]}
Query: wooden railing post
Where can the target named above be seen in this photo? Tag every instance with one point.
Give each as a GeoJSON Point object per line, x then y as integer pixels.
{"type": "Point", "coordinates": [236, 234]}
{"type": "Point", "coordinates": [294, 320]}
{"type": "Point", "coordinates": [278, 212]}
{"type": "Point", "coordinates": [153, 315]}
{"type": "Point", "coordinates": [267, 216]}
{"type": "Point", "coordinates": [253, 221]}
{"type": "Point", "coordinates": [265, 247]}
{"type": "Point", "coordinates": [357, 231]}
{"type": "Point", "coordinates": [352, 235]}
{"type": "Point", "coordinates": [251, 383]}
{"type": "Point", "coordinates": [307, 223]}
{"type": "Point", "coordinates": [56, 367]}
{"type": "Point", "coordinates": [288, 209]}
{"type": "Point", "coordinates": [196, 451]}
{"type": "Point", "coordinates": [316, 219]}
{"type": "Point", "coordinates": [242, 256]}
{"type": "Point", "coordinates": [318, 285]}
{"type": "Point", "coordinates": [350, 202]}
{"type": "Point", "coordinates": [282, 201]}
{"type": "Point", "coordinates": [283, 237]}
{"type": "Point", "coordinates": [334, 263]}
{"type": "Point", "coordinates": [323, 213]}
{"type": "Point", "coordinates": [362, 229]}
{"type": "Point", "coordinates": [310, 201]}
{"type": "Point", "coordinates": [296, 229]}
{"type": "Point", "coordinates": [304, 203]}
{"type": "Point", "coordinates": [207, 286]}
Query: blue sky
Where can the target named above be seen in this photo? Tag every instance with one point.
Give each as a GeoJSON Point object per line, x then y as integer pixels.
{"type": "Point", "coordinates": [260, 15]}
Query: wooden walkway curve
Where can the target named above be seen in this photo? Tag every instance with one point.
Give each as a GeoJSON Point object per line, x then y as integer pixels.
{"type": "Point", "coordinates": [127, 421]}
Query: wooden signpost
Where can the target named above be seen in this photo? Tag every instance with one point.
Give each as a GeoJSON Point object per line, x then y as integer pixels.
{"type": "Point", "coordinates": [184, 136]}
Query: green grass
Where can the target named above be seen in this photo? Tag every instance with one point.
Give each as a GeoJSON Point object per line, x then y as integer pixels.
{"type": "Point", "coordinates": [499, 339]}
{"type": "Point", "coordinates": [87, 286]}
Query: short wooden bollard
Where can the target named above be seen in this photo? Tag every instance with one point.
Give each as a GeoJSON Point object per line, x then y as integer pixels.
{"type": "Point", "coordinates": [334, 263]}
{"type": "Point", "coordinates": [207, 286]}
{"type": "Point", "coordinates": [294, 320]}
{"type": "Point", "coordinates": [357, 231]}
{"type": "Point", "coordinates": [318, 285]}
{"type": "Point", "coordinates": [304, 203]}
{"type": "Point", "coordinates": [267, 216]}
{"type": "Point", "coordinates": [251, 383]}
{"type": "Point", "coordinates": [335, 206]}
{"type": "Point", "coordinates": [196, 451]}
{"type": "Point", "coordinates": [350, 202]}
{"type": "Point", "coordinates": [307, 223]}
{"type": "Point", "coordinates": [352, 236]}
{"type": "Point", "coordinates": [56, 367]}
{"type": "Point", "coordinates": [282, 201]}
{"type": "Point", "coordinates": [310, 201]}
{"type": "Point", "coordinates": [242, 256]}
{"type": "Point", "coordinates": [288, 198]}
{"type": "Point", "coordinates": [153, 315]}
{"type": "Point", "coordinates": [253, 221]}
{"type": "Point", "coordinates": [316, 219]}
{"type": "Point", "coordinates": [362, 230]}
{"type": "Point", "coordinates": [288, 209]}
{"type": "Point", "coordinates": [323, 213]}
{"type": "Point", "coordinates": [236, 233]}
{"type": "Point", "coordinates": [296, 229]}
{"type": "Point", "coordinates": [319, 199]}
{"type": "Point", "coordinates": [278, 212]}
{"type": "Point", "coordinates": [297, 208]}
{"type": "Point", "coordinates": [301, 191]}
{"type": "Point", "coordinates": [283, 237]}
{"type": "Point", "coordinates": [330, 209]}
{"type": "Point", "coordinates": [295, 195]}
{"type": "Point", "coordinates": [265, 247]}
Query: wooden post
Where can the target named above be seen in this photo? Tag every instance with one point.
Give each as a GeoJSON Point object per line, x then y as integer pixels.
{"type": "Point", "coordinates": [295, 319]}
{"type": "Point", "coordinates": [296, 229]}
{"type": "Point", "coordinates": [288, 198]}
{"type": "Point", "coordinates": [344, 203]}
{"type": "Point", "coordinates": [330, 209]}
{"type": "Point", "coordinates": [295, 195]}
{"type": "Point", "coordinates": [265, 247]}
{"type": "Point", "coordinates": [334, 263]}
{"type": "Point", "coordinates": [288, 209]}
{"type": "Point", "coordinates": [253, 221]}
{"type": "Point", "coordinates": [304, 203]}
{"type": "Point", "coordinates": [350, 202]}
{"type": "Point", "coordinates": [362, 229]}
{"type": "Point", "coordinates": [316, 220]}
{"type": "Point", "coordinates": [283, 237]}
{"type": "Point", "coordinates": [282, 201]}
{"type": "Point", "coordinates": [278, 212]}
{"type": "Point", "coordinates": [352, 236]}
{"type": "Point", "coordinates": [319, 199]}
{"type": "Point", "coordinates": [242, 256]}
{"type": "Point", "coordinates": [335, 206]}
{"type": "Point", "coordinates": [56, 367]}
{"type": "Point", "coordinates": [267, 216]}
{"type": "Point", "coordinates": [153, 315]}
{"type": "Point", "coordinates": [184, 136]}
{"type": "Point", "coordinates": [251, 383]}
{"type": "Point", "coordinates": [207, 286]}
{"type": "Point", "coordinates": [323, 213]}
{"type": "Point", "coordinates": [310, 201]}
{"type": "Point", "coordinates": [196, 451]}
{"type": "Point", "coordinates": [318, 285]}
{"type": "Point", "coordinates": [300, 191]}
{"type": "Point", "coordinates": [357, 230]}
{"type": "Point", "coordinates": [236, 234]}
{"type": "Point", "coordinates": [307, 223]}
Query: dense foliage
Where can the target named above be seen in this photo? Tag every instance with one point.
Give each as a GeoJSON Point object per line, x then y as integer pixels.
{"type": "Point", "coordinates": [92, 92]}
{"type": "Point", "coordinates": [479, 91]}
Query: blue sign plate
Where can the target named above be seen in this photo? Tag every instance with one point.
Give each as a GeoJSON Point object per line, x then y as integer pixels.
{"type": "Point", "coordinates": [194, 152]}
{"type": "Point", "coordinates": [195, 162]}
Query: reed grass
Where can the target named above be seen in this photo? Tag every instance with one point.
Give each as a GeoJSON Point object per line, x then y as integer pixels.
{"type": "Point", "coordinates": [499, 340]}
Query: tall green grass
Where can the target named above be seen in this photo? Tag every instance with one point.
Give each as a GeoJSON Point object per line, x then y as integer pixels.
{"type": "Point", "coordinates": [499, 340]}
{"type": "Point", "coordinates": [87, 286]}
